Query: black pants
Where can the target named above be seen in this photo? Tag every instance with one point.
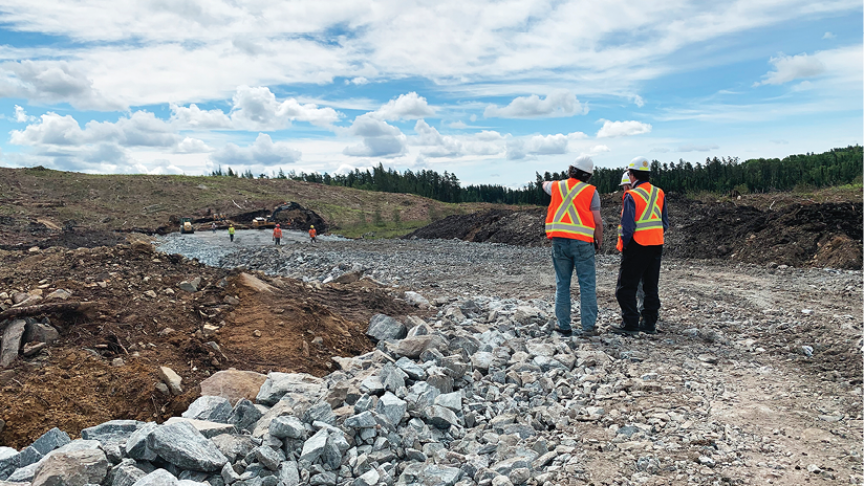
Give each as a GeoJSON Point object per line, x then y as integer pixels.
{"type": "Point", "coordinates": [639, 263]}
{"type": "Point", "coordinates": [278, 240]}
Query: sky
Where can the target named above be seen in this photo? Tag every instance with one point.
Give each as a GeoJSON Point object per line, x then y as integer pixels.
{"type": "Point", "coordinates": [490, 91]}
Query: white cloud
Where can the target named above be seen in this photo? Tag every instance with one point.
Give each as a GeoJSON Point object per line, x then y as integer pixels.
{"type": "Point", "coordinates": [191, 146]}
{"type": "Point", "coordinates": [141, 128]}
{"type": "Point", "coordinates": [379, 138]}
{"type": "Point", "coordinates": [262, 152]}
{"type": "Point", "coordinates": [21, 115]}
{"type": "Point", "coordinates": [458, 124]}
{"type": "Point", "coordinates": [192, 117]}
{"type": "Point", "coordinates": [622, 128]}
{"type": "Point", "coordinates": [258, 109]}
{"type": "Point", "coordinates": [360, 80]}
{"type": "Point", "coordinates": [697, 148]}
{"type": "Point", "coordinates": [828, 35]}
{"type": "Point", "coordinates": [556, 104]}
{"type": "Point", "coordinates": [598, 149]}
{"type": "Point", "coordinates": [521, 147]}
{"type": "Point", "coordinates": [409, 106]}
{"type": "Point", "coordinates": [790, 68]}
{"type": "Point", "coordinates": [660, 150]}
{"type": "Point", "coordinates": [53, 82]}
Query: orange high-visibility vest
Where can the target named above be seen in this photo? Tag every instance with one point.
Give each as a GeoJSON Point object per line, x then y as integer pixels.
{"type": "Point", "coordinates": [277, 233]}
{"type": "Point", "coordinates": [313, 233]}
{"type": "Point", "coordinates": [649, 214]}
{"type": "Point", "coordinates": [569, 214]}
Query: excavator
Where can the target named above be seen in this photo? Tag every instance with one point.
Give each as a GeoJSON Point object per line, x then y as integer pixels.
{"type": "Point", "coordinates": [270, 221]}
{"type": "Point", "coordinates": [186, 226]}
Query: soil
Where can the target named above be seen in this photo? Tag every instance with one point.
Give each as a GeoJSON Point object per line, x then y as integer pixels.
{"type": "Point", "coordinates": [72, 384]}
{"type": "Point", "coordinates": [796, 234]}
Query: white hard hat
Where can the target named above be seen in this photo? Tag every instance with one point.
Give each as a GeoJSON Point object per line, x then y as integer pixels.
{"type": "Point", "coordinates": [625, 179]}
{"type": "Point", "coordinates": [639, 163]}
{"type": "Point", "coordinates": [584, 163]}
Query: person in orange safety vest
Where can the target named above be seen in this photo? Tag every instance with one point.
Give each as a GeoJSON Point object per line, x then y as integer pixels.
{"type": "Point", "coordinates": [312, 234]}
{"type": "Point", "coordinates": [643, 223]}
{"type": "Point", "coordinates": [574, 225]}
{"type": "Point", "coordinates": [277, 235]}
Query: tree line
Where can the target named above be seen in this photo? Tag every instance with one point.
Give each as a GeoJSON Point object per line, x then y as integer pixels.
{"type": "Point", "coordinates": [835, 167]}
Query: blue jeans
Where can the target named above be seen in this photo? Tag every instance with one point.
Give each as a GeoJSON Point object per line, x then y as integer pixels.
{"type": "Point", "coordinates": [568, 254]}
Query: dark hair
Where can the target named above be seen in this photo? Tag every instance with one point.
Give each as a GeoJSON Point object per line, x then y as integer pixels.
{"type": "Point", "coordinates": [578, 174]}
{"type": "Point", "coordinates": [640, 175]}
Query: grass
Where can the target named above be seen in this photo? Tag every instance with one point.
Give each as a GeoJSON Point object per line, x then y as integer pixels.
{"type": "Point", "coordinates": [386, 229]}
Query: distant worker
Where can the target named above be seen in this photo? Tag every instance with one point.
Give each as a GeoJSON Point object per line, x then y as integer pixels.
{"type": "Point", "coordinates": [312, 234]}
{"type": "Point", "coordinates": [213, 226]}
{"type": "Point", "coordinates": [231, 232]}
{"type": "Point", "coordinates": [625, 184]}
{"type": "Point", "coordinates": [277, 235]}
{"type": "Point", "coordinates": [643, 224]}
{"type": "Point", "coordinates": [574, 225]}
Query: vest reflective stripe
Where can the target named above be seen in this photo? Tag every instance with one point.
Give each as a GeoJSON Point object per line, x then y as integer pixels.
{"type": "Point", "coordinates": [649, 210]}
{"type": "Point", "coordinates": [574, 204]}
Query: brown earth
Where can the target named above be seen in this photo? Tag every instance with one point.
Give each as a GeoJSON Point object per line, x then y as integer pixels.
{"type": "Point", "coordinates": [797, 234]}
{"type": "Point", "coordinates": [73, 385]}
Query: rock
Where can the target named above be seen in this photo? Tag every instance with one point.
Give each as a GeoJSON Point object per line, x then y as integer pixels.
{"type": "Point", "coordinates": [337, 394]}
{"type": "Point", "coordinates": [277, 385]}
{"type": "Point", "coordinates": [287, 427]}
{"type": "Point", "coordinates": [207, 429]}
{"type": "Point", "coordinates": [59, 294]}
{"type": "Point", "coordinates": [181, 444]}
{"type": "Point", "coordinates": [267, 457]}
{"type": "Point", "coordinates": [124, 474]}
{"type": "Point", "coordinates": [209, 408]}
{"type": "Point", "coordinates": [118, 362]}
{"type": "Point", "coordinates": [136, 444]}
{"type": "Point", "coordinates": [349, 277]}
{"type": "Point", "coordinates": [187, 286]}
{"type": "Point", "coordinates": [413, 347]}
{"type": "Point", "coordinates": [372, 385]}
{"type": "Point", "coordinates": [171, 379]}
{"type": "Point", "coordinates": [162, 388]}
{"type": "Point", "coordinates": [410, 368]}
{"type": "Point", "coordinates": [289, 475]}
{"type": "Point", "coordinates": [320, 412]}
{"type": "Point", "coordinates": [707, 461]}
{"type": "Point", "coordinates": [482, 360]}
{"type": "Point", "coordinates": [228, 474]}
{"type": "Point", "coordinates": [382, 327]}
{"type": "Point", "coordinates": [53, 439]}
{"type": "Point", "coordinates": [112, 431]}
{"type": "Point", "coordinates": [392, 407]}
{"type": "Point", "coordinates": [233, 385]}
{"type": "Point", "coordinates": [431, 475]}
{"type": "Point", "coordinates": [74, 468]}
{"type": "Point", "coordinates": [231, 300]}
{"type": "Point", "coordinates": [11, 342]}
{"type": "Point", "coordinates": [234, 447]}
{"type": "Point", "coordinates": [159, 477]}
{"type": "Point", "coordinates": [245, 415]}
{"type": "Point", "coordinates": [10, 460]}
{"type": "Point", "coordinates": [442, 417]}
{"type": "Point", "coordinates": [314, 446]}
{"type": "Point", "coordinates": [150, 293]}
{"type": "Point", "coordinates": [40, 333]}
{"type": "Point", "coordinates": [416, 299]}
{"type": "Point", "coordinates": [813, 468]}
{"type": "Point", "coordinates": [369, 478]}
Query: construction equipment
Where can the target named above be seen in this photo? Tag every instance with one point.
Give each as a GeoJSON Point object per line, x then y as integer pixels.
{"type": "Point", "coordinates": [270, 221]}
{"type": "Point", "coordinates": [186, 226]}
{"type": "Point", "coordinates": [261, 223]}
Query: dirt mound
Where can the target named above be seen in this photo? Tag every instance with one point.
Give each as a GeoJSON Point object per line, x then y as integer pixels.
{"type": "Point", "coordinates": [827, 234]}
{"type": "Point", "coordinates": [18, 233]}
{"type": "Point", "coordinates": [141, 315]}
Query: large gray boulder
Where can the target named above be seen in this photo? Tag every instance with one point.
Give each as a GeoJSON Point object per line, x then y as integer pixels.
{"type": "Point", "coordinates": [314, 446]}
{"type": "Point", "coordinates": [278, 385]}
{"type": "Point", "coordinates": [413, 347]}
{"type": "Point", "coordinates": [112, 431]}
{"type": "Point", "coordinates": [136, 445]}
{"type": "Point", "coordinates": [53, 439]}
{"type": "Point", "coordinates": [245, 415]}
{"type": "Point", "coordinates": [289, 475]}
{"type": "Point", "coordinates": [392, 407]}
{"type": "Point", "coordinates": [10, 460]}
{"type": "Point", "coordinates": [287, 427]}
{"type": "Point", "coordinates": [124, 474]}
{"type": "Point", "coordinates": [181, 444]}
{"type": "Point", "coordinates": [74, 468]}
{"type": "Point", "coordinates": [383, 327]}
{"type": "Point", "coordinates": [159, 477]}
{"type": "Point", "coordinates": [209, 408]}
{"type": "Point", "coordinates": [11, 342]}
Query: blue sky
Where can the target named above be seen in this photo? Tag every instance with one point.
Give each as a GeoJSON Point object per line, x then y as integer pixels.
{"type": "Point", "coordinates": [492, 91]}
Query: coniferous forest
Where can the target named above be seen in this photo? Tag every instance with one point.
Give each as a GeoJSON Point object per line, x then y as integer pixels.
{"type": "Point", "coordinates": [835, 167]}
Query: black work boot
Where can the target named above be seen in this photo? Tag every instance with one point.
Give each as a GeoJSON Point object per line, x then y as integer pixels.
{"type": "Point", "coordinates": [648, 325]}
{"type": "Point", "coordinates": [624, 330]}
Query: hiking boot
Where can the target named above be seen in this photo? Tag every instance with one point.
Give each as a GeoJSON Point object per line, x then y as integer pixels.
{"type": "Point", "coordinates": [624, 331]}
{"type": "Point", "coordinates": [588, 332]}
{"type": "Point", "coordinates": [563, 332]}
{"type": "Point", "coordinates": [648, 330]}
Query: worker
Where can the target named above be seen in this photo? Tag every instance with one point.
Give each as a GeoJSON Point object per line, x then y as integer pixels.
{"type": "Point", "coordinates": [213, 226]}
{"type": "Point", "coordinates": [643, 223]}
{"type": "Point", "coordinates": [312, 234]}
{"type": "Point", "coordinates": [574, 225]}
{"type": "Point", "coordinates": [231, 232]}
{"type": "Point", "coordinates": [625, 184]}
{"type": "Point", "coordinates": [277, 235]}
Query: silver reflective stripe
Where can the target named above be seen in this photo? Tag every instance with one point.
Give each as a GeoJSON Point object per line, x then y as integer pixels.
{"type": "Point", "coordinates": [643, 225]}
{"type": "Point", "coordinates": [567, 201]}
{"type": "Point", "coordinates": [620, 230]}
{"type": "Point", "coordinates": [651, 208]}
{"type": "Point", "coordinates": [569, 228]}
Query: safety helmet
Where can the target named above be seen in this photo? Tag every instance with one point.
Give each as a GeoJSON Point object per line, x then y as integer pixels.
{"type": "Point", "coordinates": [625, 179]}
{"type": "Point", "coordinates": [277, 225]}
{"type": "Point", "coordinates": [639, 163]}
{"type": "Point", "coordinates": [584, 163]}
{"type": "Point", "coordinates": [312, 226]}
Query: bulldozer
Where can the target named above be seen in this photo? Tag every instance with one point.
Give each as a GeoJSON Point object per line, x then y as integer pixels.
{"type": "Point", "coordinates": [186, 226]}
{"type": "Point", "coordinates": [261, 223]}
